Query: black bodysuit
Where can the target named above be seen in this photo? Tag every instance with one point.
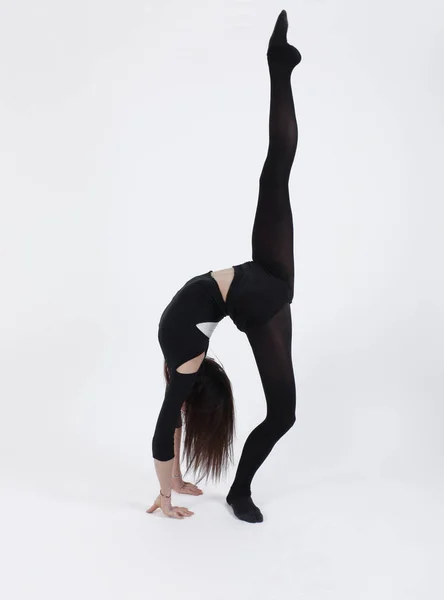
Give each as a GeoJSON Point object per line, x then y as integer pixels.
{"type": "Point", "coordinates": [188, 321]}
{"type": "Point", "coordinates": [259, 296]}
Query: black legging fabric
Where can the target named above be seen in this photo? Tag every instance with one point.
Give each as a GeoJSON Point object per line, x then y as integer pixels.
{"type": "Point", "coordinates": [272, 247]}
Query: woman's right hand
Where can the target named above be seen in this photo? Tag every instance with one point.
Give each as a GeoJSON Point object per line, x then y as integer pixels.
{"type": "Point", "coordinates": [175, 512]}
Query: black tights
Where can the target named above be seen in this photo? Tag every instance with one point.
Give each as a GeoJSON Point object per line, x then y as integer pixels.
{"type": "Point", "coordinates": [272, 247]}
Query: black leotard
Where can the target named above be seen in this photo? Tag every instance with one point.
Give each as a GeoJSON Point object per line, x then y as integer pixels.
{"type": "Point", "coordinates": [190, 318]}
{"type": "Point", "coordinates": [187, 323]}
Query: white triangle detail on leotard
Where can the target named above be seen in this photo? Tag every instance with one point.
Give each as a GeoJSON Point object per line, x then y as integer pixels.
{"type": "Point", "coordinates": [207, 328]}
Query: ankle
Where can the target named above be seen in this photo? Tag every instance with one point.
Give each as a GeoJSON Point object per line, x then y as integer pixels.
{"type": "Point", "coordinates": [232, 494]}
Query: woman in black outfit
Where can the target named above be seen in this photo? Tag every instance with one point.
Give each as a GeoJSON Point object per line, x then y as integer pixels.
{"type": "Point", "coordinates": [258, 302]}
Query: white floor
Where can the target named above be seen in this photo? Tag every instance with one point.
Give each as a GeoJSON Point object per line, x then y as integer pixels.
{"type": "Point", "coordinates": [78, 529]}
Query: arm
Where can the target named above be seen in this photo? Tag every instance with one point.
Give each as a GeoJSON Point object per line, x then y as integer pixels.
{"type": "Point", "coordinates": [177, 443]}
{"type": "Point", "coordinates": [166, 469]}
{"type": "Point", "coordinates": [163, 445]}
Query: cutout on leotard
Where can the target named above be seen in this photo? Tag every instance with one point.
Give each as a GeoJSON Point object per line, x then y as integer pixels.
{"type": "Point", "coordinates": [207, 327]}
{"type": "Point", "coordinates": [192, 365]}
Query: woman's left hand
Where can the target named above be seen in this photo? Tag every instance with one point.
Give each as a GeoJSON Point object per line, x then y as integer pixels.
{"type": "Point", "coordinates": [182, 487]}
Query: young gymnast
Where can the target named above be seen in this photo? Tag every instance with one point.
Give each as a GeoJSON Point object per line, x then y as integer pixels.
{"type": "Point", "coordinates": [256, 295]}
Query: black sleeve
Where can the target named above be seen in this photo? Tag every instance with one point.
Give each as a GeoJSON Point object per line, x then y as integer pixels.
{"type": "Point", "coordinates": [176, 392]}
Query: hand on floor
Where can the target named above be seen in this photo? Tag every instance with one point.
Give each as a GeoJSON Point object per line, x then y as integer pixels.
{"type": "Point", "coordinates": [182, 487]}
{"type": "Point", "coordinates": [175, 512]}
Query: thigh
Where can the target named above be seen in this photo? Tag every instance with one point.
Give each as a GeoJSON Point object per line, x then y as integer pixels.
{"type": "Point", "coordinates": [271, 346]}
{"type": "Point", "coordinates": [272, 235]}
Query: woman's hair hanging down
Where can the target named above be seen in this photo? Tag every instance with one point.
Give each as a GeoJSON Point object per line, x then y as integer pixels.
{"type": "Point", "coordinates": [209, 422]}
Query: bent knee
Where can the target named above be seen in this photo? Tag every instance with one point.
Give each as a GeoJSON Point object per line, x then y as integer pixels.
{"type": "Point", "coordinates": [282, 422]}
{"type": "Point", "coordinates": [288, 421]}
{"type": "Point", "coordinates": [192, 365]}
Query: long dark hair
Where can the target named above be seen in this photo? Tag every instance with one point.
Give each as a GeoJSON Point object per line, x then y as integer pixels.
{"type": "Point", "coordinates": [209, 421]}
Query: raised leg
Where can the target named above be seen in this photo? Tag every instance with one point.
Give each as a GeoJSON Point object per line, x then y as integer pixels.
{"type": "Point", "coordinates": [272, 235]}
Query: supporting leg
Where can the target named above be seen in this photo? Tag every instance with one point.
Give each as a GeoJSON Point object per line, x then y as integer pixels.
{"type": "Point", "coordinates": [271, 345]}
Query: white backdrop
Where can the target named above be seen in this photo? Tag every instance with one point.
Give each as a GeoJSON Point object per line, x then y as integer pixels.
{"type": "Point", "coordinates": [132, 138]}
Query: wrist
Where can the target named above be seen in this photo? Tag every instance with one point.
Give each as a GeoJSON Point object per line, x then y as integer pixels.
{"type": "Point", "coordinates": [165, 502]}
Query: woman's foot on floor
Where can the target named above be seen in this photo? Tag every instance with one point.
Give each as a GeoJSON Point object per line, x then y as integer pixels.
{"type": "Point", "coordinates": [245, 509]}
{"type": "Point", "coordinates": [279, 50]}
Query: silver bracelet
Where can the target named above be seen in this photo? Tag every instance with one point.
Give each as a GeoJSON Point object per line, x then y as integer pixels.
{"type": "Point", "coordinates": [176, 476]}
